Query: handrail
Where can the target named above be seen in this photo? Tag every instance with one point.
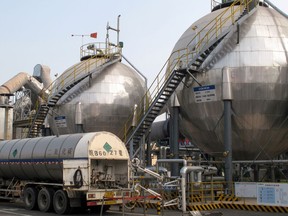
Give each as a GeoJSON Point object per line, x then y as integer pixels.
{"type": "Point", "coordinates": [79, 70]}
{"type": "Point", "coordinates": [70, 77]}
{"type": "Point", "coordinates": [182, 58]}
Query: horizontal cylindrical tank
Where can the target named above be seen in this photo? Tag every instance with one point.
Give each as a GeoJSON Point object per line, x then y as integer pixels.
{"type": "Point", "coordinates": [256, 55]}
{"type": "Point", "coordinates": [41, 159]}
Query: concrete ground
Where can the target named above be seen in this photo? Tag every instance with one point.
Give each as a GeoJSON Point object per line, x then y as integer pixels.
{"type": "Point", "coordinates": [17, 209]}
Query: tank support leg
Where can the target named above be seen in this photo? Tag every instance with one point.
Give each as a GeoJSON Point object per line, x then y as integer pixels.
{"type": "Point", "coordinates": [227, 99]}
{"type": "Point", "coordinates": [174, 135]}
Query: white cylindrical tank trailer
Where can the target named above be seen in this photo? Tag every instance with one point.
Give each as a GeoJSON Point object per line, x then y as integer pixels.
{"type": "Point", "coordinates": [61, 172]}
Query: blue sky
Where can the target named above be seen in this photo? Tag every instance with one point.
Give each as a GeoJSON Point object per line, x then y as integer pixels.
{"type": "Point", "coordinates": [39, 31]}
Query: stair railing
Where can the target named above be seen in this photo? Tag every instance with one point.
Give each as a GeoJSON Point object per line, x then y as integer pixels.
{"type": "Point", "coordinates": [182, 58]}
{"type": "Point", "coordinates": [77, 72]}
{"type": "Point", "coordinates": [82, 69]}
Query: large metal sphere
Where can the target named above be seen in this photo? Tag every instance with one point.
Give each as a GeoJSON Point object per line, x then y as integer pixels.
{"type": "Point", "coordinates": [107, 100]}
{"type": "Point", "coordinates": [259, 72]}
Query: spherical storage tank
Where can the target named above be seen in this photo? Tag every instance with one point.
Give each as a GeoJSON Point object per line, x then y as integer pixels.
{"type": "Point", "coordinates": [256, 56]}
{"type": "Point", "coordinates": [103, 101]}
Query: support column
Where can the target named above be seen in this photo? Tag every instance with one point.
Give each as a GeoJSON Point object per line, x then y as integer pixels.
{"type": "Point", "coordinates": [273, 177]}
{"type": "Point", "coordinates": [174, 134]}
{"type": "Point", "coordinates": [149, 159]}
{"type": "Point", "coordinates": [227, 99]}
{"type": "Point", "coordinates": [256, 173]}
{"type": "Point", "coordinates": [6, 117]}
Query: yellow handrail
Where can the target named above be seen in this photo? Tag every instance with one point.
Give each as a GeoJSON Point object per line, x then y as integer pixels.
{"type": "Point", "coordinates": [79, 70]}
{"type": "Point", "coordinates": [211, 31]}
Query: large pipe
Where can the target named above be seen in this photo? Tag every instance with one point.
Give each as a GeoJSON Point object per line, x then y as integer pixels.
{"type": "Point", "coordinates": [20, 80]}
{"type": "Point", "coordinates": [43, 73]}
{"type": "Point", "coordinates": [183, 172]}
{"type": "Point", "coordinates": [15, 83]}
{"type": "Point", "coordinates": [160, 130]}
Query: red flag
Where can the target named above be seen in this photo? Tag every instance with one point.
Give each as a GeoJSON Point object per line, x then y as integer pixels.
{"type": "Point", "coordinates": [93, 35]}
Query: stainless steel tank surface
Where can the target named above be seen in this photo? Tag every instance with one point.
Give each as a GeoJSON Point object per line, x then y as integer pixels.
{"type": "Point", "coordinates": [258, 65]}
{"type": "Point", "coordinates": [42, 158]}
{"type": "Point", "coordinates": [107, 101]}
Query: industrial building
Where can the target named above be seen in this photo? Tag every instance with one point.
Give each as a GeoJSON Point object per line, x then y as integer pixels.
{"type": "Point", "coordinates": [223, 142]}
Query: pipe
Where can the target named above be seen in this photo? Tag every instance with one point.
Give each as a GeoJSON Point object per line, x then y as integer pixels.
{"type": "Point", "coordinates": [15, 83]}
{"type": "Point", "coordinates": [43, 73]}
{"type": "Point", "coordinates": [134, 120]}
{"type": "Point", "coordinates": [78, 114]}
{"type": "Point", "coordinates": [163, 152]}
{"type": "Point", "coordinates": [276, 8]}
{"type": "Point", "coordinates": [78, 118]}
{"type": "Point", "coordinates": [22, 79]}
{"type": "Point", "coordinates": [160, 130]}
{"type": "Point", "coordinates": [36, 87]}
{"type": "Point", "coordinates": [118, 29]}
{"type": "Point", "coordinates": [170, 161]}
{"type": "Point", "coordinates": [240, 162]}
{"type": "Point", "coordinates": [183, 173]}
{"type": "Point", "coordinates": [262, 161]}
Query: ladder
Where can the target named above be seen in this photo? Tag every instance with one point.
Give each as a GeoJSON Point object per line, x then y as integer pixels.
{"type": "Point", "coordinates": [180, 64]}
{"type": "Point", "coordinates": [59, 88]}
{"type": "Point", "coordinates": [9, 192]}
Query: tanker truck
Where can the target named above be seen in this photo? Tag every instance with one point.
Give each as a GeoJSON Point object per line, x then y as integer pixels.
{"type": "Point", "coordinates": [61, 172]}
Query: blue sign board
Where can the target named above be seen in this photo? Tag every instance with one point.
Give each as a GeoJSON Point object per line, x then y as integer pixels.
{"type": "Point", "coordinates": [60, 121]}
{"type": "Point", "coordinates": [204, 93]}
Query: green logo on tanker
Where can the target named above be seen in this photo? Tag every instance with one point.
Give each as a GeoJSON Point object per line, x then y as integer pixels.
{"type": "Point", "coordinates": [14, 153]}
{"type": "Point", "coordinates": [107, 147]}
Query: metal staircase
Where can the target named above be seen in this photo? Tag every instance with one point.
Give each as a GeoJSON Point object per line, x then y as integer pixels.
{"type": "Point", "coordinates": [181, 63]}
{"type": "Point", "coordinates": [79, 73]}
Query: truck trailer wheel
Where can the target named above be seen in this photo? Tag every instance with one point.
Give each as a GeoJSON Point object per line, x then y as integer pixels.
{"type": "Point", "coordinates": [45, 199]}
{"type": "Point", "coordinates": [61, 202]}
{"type": "Point", "coordinates": [30, 198]}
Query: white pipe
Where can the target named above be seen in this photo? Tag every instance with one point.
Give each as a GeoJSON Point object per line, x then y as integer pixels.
{"type": "Point", "coordinates": [15, 83]}
{"type": "Point", "coordinates": [183, 172]}
{"type": "Point", "coordinates": [170, 161]}
{"type": "Point", "coordinates": [43, 72]}
{"type": "Point", "coordinates": [22, 79]}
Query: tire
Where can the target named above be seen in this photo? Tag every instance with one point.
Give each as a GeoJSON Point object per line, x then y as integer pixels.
{"type": "Point", "coordinates": [61, 202]}
{"type": "Point", "coordinates": [45, 199]}
{"type": "Point", "coordinates": [30, 198]}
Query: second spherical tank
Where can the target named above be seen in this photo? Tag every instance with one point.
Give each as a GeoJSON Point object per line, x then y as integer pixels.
{"type": "Point", "coordinates": [257, 60]}
{"type": "Point", "coordinates": [102, 102]}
